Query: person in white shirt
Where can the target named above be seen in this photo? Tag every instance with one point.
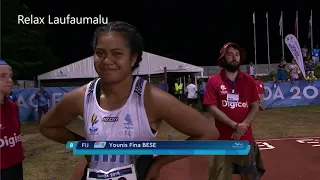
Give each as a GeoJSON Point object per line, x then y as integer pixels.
{"type": "Point", "coordinates": [250, 69]}
{"type": "Point", "coordinates": [304, 51]}
{"type": "Point", "coordinates": [192, 95]}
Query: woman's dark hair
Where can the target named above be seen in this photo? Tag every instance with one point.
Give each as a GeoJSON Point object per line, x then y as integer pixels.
{"type": "Point", "coordinates": [129, 32]}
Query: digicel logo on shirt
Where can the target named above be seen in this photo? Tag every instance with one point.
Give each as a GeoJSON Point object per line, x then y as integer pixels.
{"type": "Point", "coordinates": [233, 105]}
{"type": "Point", "coordinates": [10, 141]}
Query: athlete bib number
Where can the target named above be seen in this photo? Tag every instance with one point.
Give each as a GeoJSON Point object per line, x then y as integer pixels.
{"type": "Point", "coordinates": [120, 173]}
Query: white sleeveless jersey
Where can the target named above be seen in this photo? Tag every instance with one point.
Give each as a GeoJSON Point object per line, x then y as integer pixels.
{"type": "Point", "coordinates": [127, 123]}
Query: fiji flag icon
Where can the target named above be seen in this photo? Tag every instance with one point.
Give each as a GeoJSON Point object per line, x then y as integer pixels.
{"type": "Point", "coordinates": [99, 144]}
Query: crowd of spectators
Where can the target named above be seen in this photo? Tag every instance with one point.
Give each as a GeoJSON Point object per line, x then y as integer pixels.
{"type": "Point", "coordinates": [291, 71]}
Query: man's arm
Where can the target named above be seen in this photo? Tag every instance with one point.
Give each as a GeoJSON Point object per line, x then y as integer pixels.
{"type": "Point", "coordinates": [47, 95]}
{"type": "Point", "coordinates": [211, 100]}
{"type": "Point", "coordinates": [221, 116]}
{"type": "Point", "coordinates": [254, 104]}
{"type": "Point", "coordinates": [252, 113]}
{"type": "Point", "coordinates": [48, 98]}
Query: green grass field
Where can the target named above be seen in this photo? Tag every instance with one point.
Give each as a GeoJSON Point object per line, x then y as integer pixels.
{"type": "Point", "coordinates": [46, 160]}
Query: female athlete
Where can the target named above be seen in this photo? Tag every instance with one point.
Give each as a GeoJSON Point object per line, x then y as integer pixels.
{"type": "Point", "coordinates": [119, 107]}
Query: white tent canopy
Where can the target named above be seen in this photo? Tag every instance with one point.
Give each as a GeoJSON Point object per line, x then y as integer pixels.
{"type": "Point", "coordinates": [80, 69]}
{"type": "Point", "coordinates": [154, 64]}
{"type": "Point", "coordinates": [150, 64]}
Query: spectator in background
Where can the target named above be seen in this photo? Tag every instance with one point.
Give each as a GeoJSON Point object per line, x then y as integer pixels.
{"type": "Point", "coordinates": [178, 88]}
{"type": "Point", "coordinates": [250, 69]}
{"type": "Point", "coordinates": [189, 80]}
{"type": "Point", "coordinates": [281, 74]}
{"type": "Point", "coordinates": [294, 70]}
{"type": "Point", "coordinates": [283, 60]}
{"type": "Point", "coordinates": [11, 153]}
{"type": "Point", "coordinates": [304, 51]}
{"type": "Point", "coordinates": [315, 55]}
{"type": "Point", "coordinates": [42, 97]}
{"type": "Point", "coordinates": [310, 68]}
{"type": "Point", "coordinates": [309, 57]}
{"type": "Point", "coordinates": [311, 77]}
{"type": "Point", "coordinates": [272, 78]}
{"type": "Point", "coordinates": [202, 88]}
{"type": "Point", "coordinates": [260, 89]}
{"type": "Point", "coordinates": [192, 95]}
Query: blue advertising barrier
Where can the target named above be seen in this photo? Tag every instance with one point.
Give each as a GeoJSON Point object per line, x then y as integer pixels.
{"type": "Point", "coordinates": [297, 93]}
{"type": "Point", "coordinates": [27, 103]}
{"type": "Point", "coordinates": [164, 87]}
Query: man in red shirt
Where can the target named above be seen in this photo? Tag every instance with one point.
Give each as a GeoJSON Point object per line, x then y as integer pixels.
{"type": "Point", "coordinates": [260, 89]}
{"type": "Point", "coordinates": [10, 140]}
{"type": "Point", "coordinates": [232, 98]}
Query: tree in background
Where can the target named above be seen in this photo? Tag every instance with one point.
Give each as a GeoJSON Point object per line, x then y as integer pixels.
{"type": "Point", "coordinates": [23, 46]}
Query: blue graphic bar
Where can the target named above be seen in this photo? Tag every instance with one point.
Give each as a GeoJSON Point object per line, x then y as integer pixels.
{"type": "Point", "coordinates": [233, 148]}
{"type": "Point", "coordinates": [162, 151]}
{"type": "Point", "coordinates": [90, 145]}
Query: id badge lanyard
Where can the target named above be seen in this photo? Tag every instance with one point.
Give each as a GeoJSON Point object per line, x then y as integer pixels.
{"type": "Point", "coordinates": [232, 84]}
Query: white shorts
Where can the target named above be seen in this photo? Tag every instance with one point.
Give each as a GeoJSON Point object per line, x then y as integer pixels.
{"type": "Point", "coordinates": [315, 59]}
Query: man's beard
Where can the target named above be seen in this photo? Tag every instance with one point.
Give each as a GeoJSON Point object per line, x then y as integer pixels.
{"type": "Point", "coordinates": [230, 67]}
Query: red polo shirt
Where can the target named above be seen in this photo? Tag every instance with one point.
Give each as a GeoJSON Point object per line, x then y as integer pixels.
{"type": "Point", "coordinates": [10, 140]}
{"type": "Point", "coordinates": [260, 87]}
{"type": "Point", "coordinates": [217, 89]}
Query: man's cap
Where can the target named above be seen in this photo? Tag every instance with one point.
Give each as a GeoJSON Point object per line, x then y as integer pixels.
{"type": "Point", "coordinates": [3, 62]}
{"type": "Point", "coordinates": [223, 51]}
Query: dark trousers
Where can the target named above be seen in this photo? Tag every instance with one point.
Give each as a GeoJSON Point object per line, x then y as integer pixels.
{"type": "Point", "coordinates": [201, 101]}
{"type": "Point", "coordinates": [178, 96]}
{"type": "Point", "coordinates": [42, 110]}
{"type": "Point", "coordinates": [14, 172]}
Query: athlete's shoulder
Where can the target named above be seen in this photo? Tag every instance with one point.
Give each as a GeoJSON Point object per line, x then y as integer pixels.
{"type": "Point", "coordinates": [81, 89]}
{"type": "Point", "coordinates": [73, 101]}
{"type": "Point", "coordinates": [153, 93]}
{"type": "Point", "coordinates": [76, 93]}
{"type": "Point", "coordinates": [149, 88]}
{"type": "Point", "coordinates": [157, 101]}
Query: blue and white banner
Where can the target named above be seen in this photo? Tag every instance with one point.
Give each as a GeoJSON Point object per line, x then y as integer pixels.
{"type": "Point", "coordinates": [295, 50]}
{"type": "Point", "coordinates": [28, 104]}
{"type": "Point", "coordinates": [298, 93]}
{"type": "Point", "coordinates": [164, 87]}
